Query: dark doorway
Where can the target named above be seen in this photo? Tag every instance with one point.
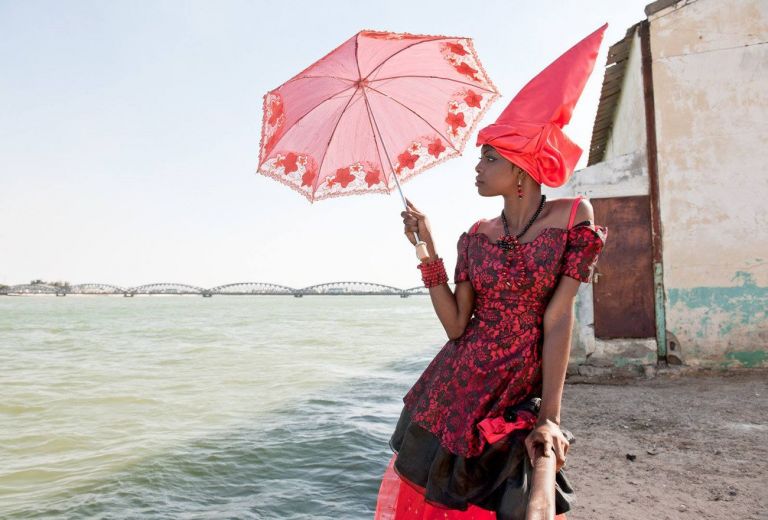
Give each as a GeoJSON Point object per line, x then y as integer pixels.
{"type": "Point", "coordinates": [623, 284]}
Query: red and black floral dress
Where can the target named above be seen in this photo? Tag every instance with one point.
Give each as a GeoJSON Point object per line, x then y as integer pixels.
{"type": "Point", "coordinates": [451, 443]}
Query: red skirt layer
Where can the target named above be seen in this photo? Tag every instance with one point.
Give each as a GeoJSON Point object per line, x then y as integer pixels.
{"type": "Point", "coordinates": [402, 500]}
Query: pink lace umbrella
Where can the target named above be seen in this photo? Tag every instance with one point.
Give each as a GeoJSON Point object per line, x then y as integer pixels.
{"type": "Point", "coordinates": [373, 113]}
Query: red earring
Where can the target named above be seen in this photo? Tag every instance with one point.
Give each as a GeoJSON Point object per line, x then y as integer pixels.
{"type": "Point", "coordinates": [520, 186]}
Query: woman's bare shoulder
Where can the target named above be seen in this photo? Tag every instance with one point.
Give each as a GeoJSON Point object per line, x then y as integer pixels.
{"type": "Point", "coordinates": [484, 225]}
{"type": "Point", "coordinates": [560, 210]}
{"type": "Point", "coordinates": [566, 203]}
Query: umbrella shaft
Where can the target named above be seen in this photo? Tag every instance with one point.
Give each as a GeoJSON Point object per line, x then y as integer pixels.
{"type": "Point", "coordinates": [402, 197]}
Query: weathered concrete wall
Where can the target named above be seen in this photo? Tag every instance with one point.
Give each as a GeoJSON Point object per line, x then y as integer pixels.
{"type": "Point", "coordinates": [628, 134]}
{"type": "Point", "coordinates": [621, 176]}
{"type": "Point", "coordinates": [710, 80]}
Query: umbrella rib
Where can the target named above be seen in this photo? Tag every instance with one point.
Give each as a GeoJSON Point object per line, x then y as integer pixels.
{"type": "Point", "coordinates": [383, 145]}
{"type": "Point", "coordinates": [377, 67]}
{"type": "Point", "coordinates": [333, 132]}
{"type": "Point", "coordinates": [357, 59]}
{"type": "Point", "coordinates": [417, 115]}
{"type": "Point", "coordinates": [372, 122]}
{"type": "Point", "coordinates": [434, 77]}
{"type": "Point", "coordinates": [318, 77]}
{"type": "Point", "coordinates": [332, 96]}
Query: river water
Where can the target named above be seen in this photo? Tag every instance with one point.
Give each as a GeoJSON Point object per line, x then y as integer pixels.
{"type": "Point", "coordinates": [189, 407]}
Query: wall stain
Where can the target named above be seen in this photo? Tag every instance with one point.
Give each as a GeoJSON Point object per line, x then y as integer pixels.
{"type": "Point", "coordinates": [747, 359]}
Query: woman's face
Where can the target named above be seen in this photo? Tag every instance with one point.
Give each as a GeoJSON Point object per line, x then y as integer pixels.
{"type": "Point", "coordinates": [495, 174]}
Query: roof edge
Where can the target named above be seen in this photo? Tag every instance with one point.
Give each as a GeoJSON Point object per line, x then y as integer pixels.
{"type": "Point", "coordinates": [613, 82]}
{"type": "Point", "coordinates": [659, 5]}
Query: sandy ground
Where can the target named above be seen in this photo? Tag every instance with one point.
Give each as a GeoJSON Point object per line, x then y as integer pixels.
{"type": "Point", "coordinates": [698, 444]}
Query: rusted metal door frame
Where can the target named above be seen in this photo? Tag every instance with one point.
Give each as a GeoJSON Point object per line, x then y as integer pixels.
{"type": "Point", "coordinates": [653, 175]}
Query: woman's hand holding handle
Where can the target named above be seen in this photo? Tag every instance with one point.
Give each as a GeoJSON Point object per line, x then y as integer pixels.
{"type": "Point", "coordinates": [418, 231]}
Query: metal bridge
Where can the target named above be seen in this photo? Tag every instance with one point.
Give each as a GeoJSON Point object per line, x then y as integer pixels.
{"type": "Point", "coordinates": [346, 288]}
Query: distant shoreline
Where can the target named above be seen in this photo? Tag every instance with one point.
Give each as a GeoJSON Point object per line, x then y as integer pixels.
{"type": "Point", "coordinates": [345, 288]}
{"type": "Point", "coordinates": [156, 295]}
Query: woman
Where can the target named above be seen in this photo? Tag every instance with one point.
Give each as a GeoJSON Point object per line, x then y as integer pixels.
{"type": "Point", "coordinates": [489, 403]}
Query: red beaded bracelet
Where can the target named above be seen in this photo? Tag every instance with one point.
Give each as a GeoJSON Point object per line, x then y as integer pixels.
{"type": "Point", "coordinates": [433, 273]}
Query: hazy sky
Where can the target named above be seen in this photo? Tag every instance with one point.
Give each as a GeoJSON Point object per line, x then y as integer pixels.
{"type": "Point", "coordinates": [129, 135]}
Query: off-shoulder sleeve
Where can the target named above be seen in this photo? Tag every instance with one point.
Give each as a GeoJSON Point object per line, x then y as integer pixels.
{"type": "Point", "coordinates": [462, 262]}
{"type": "Point", "coordinates": [582, 249]}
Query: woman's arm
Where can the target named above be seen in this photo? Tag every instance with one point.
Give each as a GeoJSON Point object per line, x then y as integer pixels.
{"type": "Point", "coordinates": [453, 309]}
{"type": "Point", "coordinates": [558, 323]}
{"type": "Point", "coordinates": [558, 326]}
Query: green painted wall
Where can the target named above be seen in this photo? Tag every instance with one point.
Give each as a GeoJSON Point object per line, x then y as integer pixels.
{"type": "Point", "coordinates": [721, 326]}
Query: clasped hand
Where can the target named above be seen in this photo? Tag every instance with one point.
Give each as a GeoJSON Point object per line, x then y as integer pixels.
{"type": "Point", "coordinates": [545, 438]}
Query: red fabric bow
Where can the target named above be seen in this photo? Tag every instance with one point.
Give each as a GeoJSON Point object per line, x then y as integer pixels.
{"type": "Point", "coordinates": [495, 429]}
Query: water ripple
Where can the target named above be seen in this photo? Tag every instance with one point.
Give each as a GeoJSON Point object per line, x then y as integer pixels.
{"type": "Point", "coordinates": [203, 408]}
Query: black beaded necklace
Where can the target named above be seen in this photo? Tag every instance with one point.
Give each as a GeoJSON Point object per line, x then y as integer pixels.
{"type": "Point", "coordinates": [509, 240]}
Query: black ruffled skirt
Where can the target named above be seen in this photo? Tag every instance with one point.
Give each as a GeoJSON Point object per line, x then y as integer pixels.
{"type": "Point", "coordinates": [496, 480]}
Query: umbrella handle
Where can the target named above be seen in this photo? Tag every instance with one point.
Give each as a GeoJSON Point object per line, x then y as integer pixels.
{"type": "Point", "coordinates": [541, 500]}
{"type": "Point", "coordinates": [421, 248]}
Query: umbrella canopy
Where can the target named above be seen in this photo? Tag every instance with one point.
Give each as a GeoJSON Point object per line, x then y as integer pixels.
{"type": "Point", "coordinates": [377, 110]}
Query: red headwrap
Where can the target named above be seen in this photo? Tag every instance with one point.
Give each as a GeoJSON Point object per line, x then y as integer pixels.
{"type": "Point", "coordinates": [529, 131]}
